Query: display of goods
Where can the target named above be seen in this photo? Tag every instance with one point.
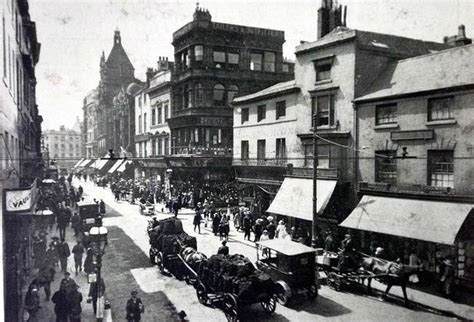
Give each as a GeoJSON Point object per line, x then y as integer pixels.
{"type": "Point", "coordinates": [234, 274]}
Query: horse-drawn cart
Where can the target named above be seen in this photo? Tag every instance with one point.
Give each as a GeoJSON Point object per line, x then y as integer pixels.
{"type": "Point", "coordinates": [231, 283]}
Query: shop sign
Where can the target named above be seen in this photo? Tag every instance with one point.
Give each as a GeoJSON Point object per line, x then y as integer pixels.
{"type": "Point", "coordinates": [18, 200]}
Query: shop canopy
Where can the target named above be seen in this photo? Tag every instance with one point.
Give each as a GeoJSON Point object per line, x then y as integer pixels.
{"type": "Point", "coordinates": [123, 166]}
{"type": "Point", "coordinates": [101, 164]}
{"type": "Point", "coordinates": [115, 166]}
{"type": "Point", "coordinates": [295, 197]}
{"type": "Point", "coordinates": [85, 162]}
{"type": "Point", "coordinates": [78, 163]}
{"type": "Point", "coordinates": [432, 221]}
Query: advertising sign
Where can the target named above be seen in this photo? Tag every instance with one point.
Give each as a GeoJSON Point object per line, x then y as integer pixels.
{"type": "Point", "coordinates": [18, 200]}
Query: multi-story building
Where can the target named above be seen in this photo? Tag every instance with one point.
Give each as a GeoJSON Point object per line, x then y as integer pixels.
{"type": "Point", "coordinates": [90, 127]}
{"type": "Point", "coordinates": [152, 133]}
{"type": "Point", "coordinates": [414, 128]}
{"type": "Point", "coordinates": [116, 74]}
{"type": "Point", "coordinates": [214, 62]}
{"type": "Point", "coordinates": [329, 74]}
{"type": "Point", "coordinates": [64, 146]}
{"type": "Point", "coordinates": [20, 148]}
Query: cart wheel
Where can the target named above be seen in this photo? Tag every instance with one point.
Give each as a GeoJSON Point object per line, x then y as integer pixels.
{"type": "Point", "coordinates": [269, 305]}
{"type": "Point", "coordinates": [313, 292]}
{"type": "Point", "coordinates": [334, 281]}
{"type": "Point", "coordinates": [282, 296]}
{"type": "Point", "coordinates": [201, 293]}
{"type": "Point", "coordinates": [159, 262]}
{"type": "Point", "coordinates": [230, 308]}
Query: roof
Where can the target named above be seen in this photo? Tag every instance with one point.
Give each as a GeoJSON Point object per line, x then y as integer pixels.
{"type": "Point", "coordinates": [409, 218]}
{"type": "Point", "coordinates": [274, 90]}
{"type": "Point", "coordinates": [86, 202]}
{"type": "Point", "coordinates": [118, 57]}
{"type": "Point", "coordinates": [445, 69]}
{"type": "Point", "coordinates": [391, 44]}
{"type": "Point", "coordinates": [286, 247]}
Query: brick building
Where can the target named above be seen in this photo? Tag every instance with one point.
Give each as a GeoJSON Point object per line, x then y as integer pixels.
{"type": "Point", "coordinates": [214, 62]}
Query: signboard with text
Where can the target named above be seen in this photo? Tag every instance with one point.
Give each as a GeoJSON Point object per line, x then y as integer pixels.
{"type": "Point", "coordinates": [20, 200]}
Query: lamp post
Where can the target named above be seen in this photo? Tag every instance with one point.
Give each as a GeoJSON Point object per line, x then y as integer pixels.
{"type": "Point", "coordinates": [98, 238]}
{"type": "Point", "coordinates": [315, 180]}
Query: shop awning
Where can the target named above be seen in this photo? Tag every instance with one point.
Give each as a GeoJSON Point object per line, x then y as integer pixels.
{"type": "Point", "coordinates": [115, 166]}
{"type": "Point", "coordinates": [95, 163]}
{"type": "Point", "coordinates": [101, 164]}
{"type": "Point", "coordinates": [295, 197]}
{"type": "Point", "coordinates": [85, 162]}
{"type": "Point", "coordinates": [433, 221]}
{"type": "Point", "coordinates": [78, 162]}
{"type": "Point", "coordinates": [123, 166]}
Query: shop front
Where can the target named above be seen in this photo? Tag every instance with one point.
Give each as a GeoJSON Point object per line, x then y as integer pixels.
{"type": "Point", "coordinates": [435, 231]}
{"type": "Point", "coordinates": [294, 203]}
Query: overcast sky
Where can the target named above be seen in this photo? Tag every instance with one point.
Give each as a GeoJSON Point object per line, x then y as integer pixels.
{"type": "Point", "coordinates": [73, 34]}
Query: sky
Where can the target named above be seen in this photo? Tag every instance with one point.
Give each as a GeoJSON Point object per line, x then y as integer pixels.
{"type": "Point", "coordinates": [73, 34]}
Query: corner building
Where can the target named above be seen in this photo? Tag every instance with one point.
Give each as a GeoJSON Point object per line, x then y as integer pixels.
{"type": "Point", "coordinates": [215, 62]}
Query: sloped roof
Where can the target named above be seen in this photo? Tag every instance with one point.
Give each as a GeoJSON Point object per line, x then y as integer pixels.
{"type": "Point", "coordinates": [392, 44]}
{"type": "Point", "coordinates": [118, 57]}
{"type": "Point", "coordinates": [445, 69]}
{"type": "Point", "coordinates": [283, 88]}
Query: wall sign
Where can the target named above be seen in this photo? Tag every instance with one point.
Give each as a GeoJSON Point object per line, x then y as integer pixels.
{"type": "Point", "coordinates": [412, 135]}
{"type": "Point", "coordinates": [18, 200]}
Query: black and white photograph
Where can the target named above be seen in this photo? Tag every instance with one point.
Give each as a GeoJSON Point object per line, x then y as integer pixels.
{"type": "Point", "coordinates": [236, 160]}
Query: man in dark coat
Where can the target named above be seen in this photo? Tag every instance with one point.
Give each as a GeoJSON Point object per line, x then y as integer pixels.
{"type": "Point", "coordinates": [95, 292]}
{"type": "Point", "coordinates": [64, 217]}
{"type": "Point", "coordinates": [67, 283]}
{"type": "Point", "coordinates": [134, 308]}
{"type": "Point", "coordinates": [76, 223]}
{"type": "Point", "coordinates": [44, 279]}
{"type": "Point", "coordinates": [224, 249]}
{"type": "Point", "coordinates": [63, 252]}
{"type": "Point", "coordinates": [78, 251]}
{"type": "Point", "coordinates": [75, 308]}
{"type": "Point", "coordinates": [247, 225]}
{"type": "Point", "coordinates": [271, 229]}
{"type": "Point", "coordinates": [61, 308]}
{"type": "Point", "coordinates": [102, 207]}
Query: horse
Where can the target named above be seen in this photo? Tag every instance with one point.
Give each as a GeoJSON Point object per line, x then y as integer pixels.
{"type": "Point", "coordinates": [390, 273]}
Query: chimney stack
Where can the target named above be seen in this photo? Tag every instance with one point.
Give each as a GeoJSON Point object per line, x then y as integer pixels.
{"type": "Point", "coordinates": [330, 16]}
{"type": "Point", "coordinates": [458, 40]}
{"type": "Point", "coordinates": [149, 75]}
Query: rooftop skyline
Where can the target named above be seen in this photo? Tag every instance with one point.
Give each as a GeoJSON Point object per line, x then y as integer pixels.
{"type": "Point", "coordinates": [73, 34]}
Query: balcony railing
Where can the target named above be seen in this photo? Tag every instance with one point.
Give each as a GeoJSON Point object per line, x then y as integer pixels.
{"type": "Point", "coordinates": [412, 189]}
{"type": "Point", "coordinates": [261, 162]}
{"type": "Point", "coordinates": [204, 151]}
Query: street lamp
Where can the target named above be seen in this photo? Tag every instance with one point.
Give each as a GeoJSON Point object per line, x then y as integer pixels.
{"type": "Point", "coordinates": [314, 227]}
{"type": "Point", "coordinates": [98, 238]}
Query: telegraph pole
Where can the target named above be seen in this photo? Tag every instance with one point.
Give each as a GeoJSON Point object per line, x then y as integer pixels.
{"type": "Point", "coordinates": [315, 180]}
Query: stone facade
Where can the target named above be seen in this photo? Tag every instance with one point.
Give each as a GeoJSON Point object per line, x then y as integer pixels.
{"type": "Point", "coordinates": [64, 146]}
{"type": "Point", "coordinates": [116, 74]}
{"type": "Point", "coordinates": [215, 62]}
{"type": "Point", "coordinates": [20, 145]}
{"type": "Point", "coordinates": [90, 127]}
{"type": "Point", "coordinates": [152, 110]}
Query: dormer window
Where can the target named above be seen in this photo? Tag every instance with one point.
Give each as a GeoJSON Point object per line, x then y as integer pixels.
{"type": "Point", "coordinates": [323, 68]}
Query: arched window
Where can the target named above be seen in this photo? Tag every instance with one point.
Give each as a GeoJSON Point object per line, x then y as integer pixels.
{"type": "Point", "coordinates": [232, 92]}
{"type": "Point", "coordinates": [219, 93]}
{"type": "Point", "coordinates": [199, 94]}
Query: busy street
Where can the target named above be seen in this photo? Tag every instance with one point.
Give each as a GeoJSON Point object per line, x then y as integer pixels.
{"type": "Point", "coordinates": [236, 161]}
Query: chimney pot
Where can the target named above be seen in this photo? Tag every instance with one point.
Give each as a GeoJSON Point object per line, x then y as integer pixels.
{"type": "Point", "coordinates": [461, 31]}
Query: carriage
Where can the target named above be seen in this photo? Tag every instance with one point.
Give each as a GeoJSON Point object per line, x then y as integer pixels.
{"type": "Point", "coordinates": [292, 265]}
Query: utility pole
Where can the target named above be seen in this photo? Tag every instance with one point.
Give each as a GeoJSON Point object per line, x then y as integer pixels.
{"type": "Point", "coordinates": [315, 180]}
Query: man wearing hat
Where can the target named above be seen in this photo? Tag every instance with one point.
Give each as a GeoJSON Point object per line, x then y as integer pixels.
{"type": "Point", "coordinates": [223, 250]}
{"type": "Point", "coordinates": [67, 283]}
{"type": "Point", "coordinates": [134, 308]}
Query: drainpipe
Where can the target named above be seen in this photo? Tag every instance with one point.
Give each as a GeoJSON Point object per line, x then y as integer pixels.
{"type": "Point", "coordinates": [355, 161]}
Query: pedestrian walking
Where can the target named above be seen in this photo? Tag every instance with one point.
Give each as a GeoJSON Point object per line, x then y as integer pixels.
{"type": "Point", "coordinates": [197, 220]}
{"type": "Point", "coordinates": [96, 291]}
{"type": "Point", "coordinates": [271, 228]}
{"type": "Point", "coordinates": [134, 308]}
{"type": "Point", "coordinates": [216, 220]}
{"type": "Point", "coordinates": [78, 251]}
{"type": "Point", "coordinates": [32, 302]}
{"type": "Point", "coordinates": [61, 307]}
{"type": "Point", "coordinates": [52, 256]}
{"type": "Point", "coordinates": [76, 223]}
{"type": "Point", "coordinates": [89, 266]}
{"type": "Point", "coordinates": [102, 207]}
{"type": "Point", "coordinates": [247, 225]}
{"type": "Point", "coordinates": [44, 279]}
{"type": "Point", "coordinates": [64, 217]}
{"type": "Point", "coordinates": [117, 195]}
{"type": "Point", "coordinates": [281, 230]}
{"type": "Point", "coordinates": [80, 190]}
{"type": "Point", "coordinates": [75, 309]}
{"type": "Point", "coordinates": [67, 283]}
{"type": "Point", "coordinates": [224, 228]}
{"type": "Point", "coordinates": [224, 249]}
{"type": "Point", "coordinates": [257, 230]}
{"type": "Point", "coordinates": [63, 252]}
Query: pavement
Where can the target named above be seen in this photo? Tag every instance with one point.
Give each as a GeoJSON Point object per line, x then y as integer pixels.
{"type": "Point", "coordinates": [130, 269]}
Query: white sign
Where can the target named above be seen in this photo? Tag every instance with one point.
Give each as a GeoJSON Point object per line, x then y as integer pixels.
{"type": "Point", "coordinates": [18, 200]}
